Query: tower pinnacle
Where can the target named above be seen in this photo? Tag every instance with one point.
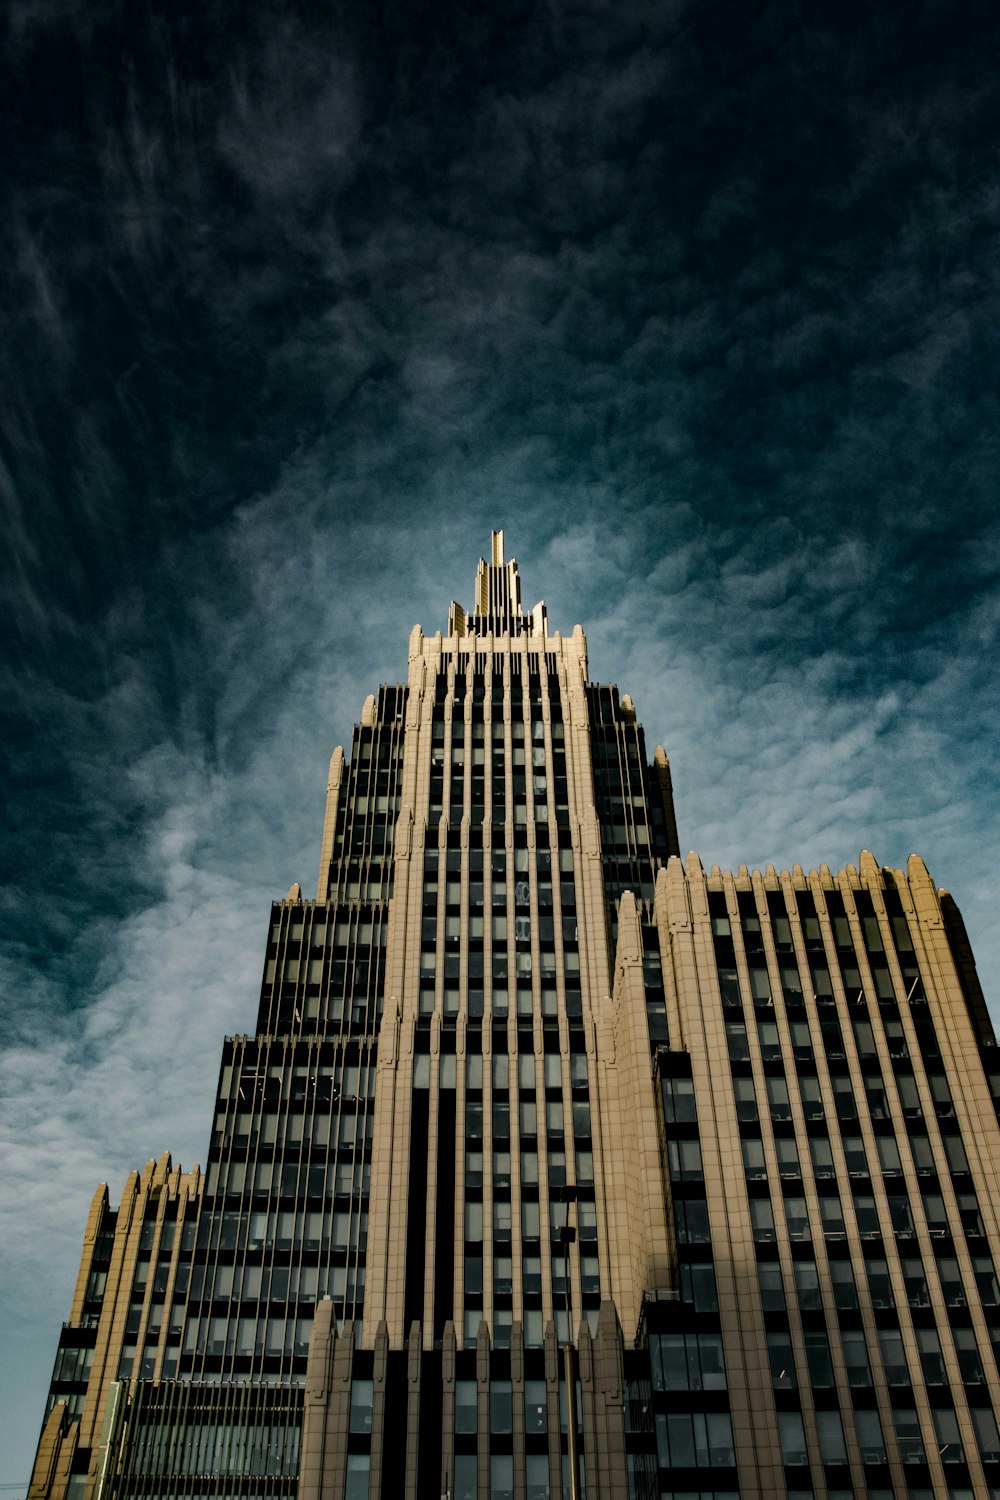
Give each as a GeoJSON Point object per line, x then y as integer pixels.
{"type": "Point", "coordinates": [497, 609]}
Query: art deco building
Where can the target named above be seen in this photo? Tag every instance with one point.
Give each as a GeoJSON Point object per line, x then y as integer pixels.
{"type": "Point", "coordinates": [529, 1096]}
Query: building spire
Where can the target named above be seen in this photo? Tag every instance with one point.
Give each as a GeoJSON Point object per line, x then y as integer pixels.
{"type": "Point", "coordinates": [497, 609]}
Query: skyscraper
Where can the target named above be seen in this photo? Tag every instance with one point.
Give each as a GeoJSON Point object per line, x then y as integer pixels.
{"type": "Point", "coordinates": [557, 1165]}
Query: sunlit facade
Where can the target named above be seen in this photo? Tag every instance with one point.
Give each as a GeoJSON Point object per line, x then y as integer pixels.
{"type": "Point", "coordinates": [557, 1164]}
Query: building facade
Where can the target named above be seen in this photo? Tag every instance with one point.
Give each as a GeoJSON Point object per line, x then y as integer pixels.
{"type": "Point", "coordinates": [557, 1164]}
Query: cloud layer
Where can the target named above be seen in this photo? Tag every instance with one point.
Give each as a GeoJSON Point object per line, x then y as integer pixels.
{"type": "Point", "coordinates": [700, 304]}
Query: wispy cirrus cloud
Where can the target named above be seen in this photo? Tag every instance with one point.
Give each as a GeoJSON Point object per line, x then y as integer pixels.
{"type": "Point", "coordinates": [701, 308]}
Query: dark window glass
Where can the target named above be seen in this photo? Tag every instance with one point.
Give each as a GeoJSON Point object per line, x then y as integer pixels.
{"type": "Point", "coordinates": [779, 1351]}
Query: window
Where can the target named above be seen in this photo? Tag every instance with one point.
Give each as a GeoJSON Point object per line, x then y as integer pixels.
{"type": "Point", "coordinates": [503, 1275]}
{"type": "Point", "coordinates": [952, 1285]}
{"type": "Point", "coordinates": [867, 1216]}
{"type": "Point", "coordinates": [819, 1361]}
{"type": "Point", "coordinates": [536, 1474]}
{"type": "Point", "coordinates": [356, 1487]}
{"type": "Point", "coordinates": [762, 1219]}
{"type": "Point", "coordinates": [736, 1041]}
{"type": "Point", "coordinates": [536, 1407]}
{"type": "Point", "coordinates": [967, 1350]}
{"type": "Point", "coordinates": [474, 1279]}
{"type": "Point", "coordinates": [760, 985]}
{"type": "Point", "coordinates": [899, 1214]}
{"type": "Point", "coordinates": [801, 1036]}
{"type": "Point", "coordinates": [753, 1158]}
{"type": "Point", "coordinates": [870, 1440]}
{"type": "Point", "coordinates": [856, 1358]}
{"type": "Point", "coordinates": [987, 1438]}
{"type": "Point", "coordinates": [698, 1286]}
{"type": "Point", "coordinates": [893, 1356]}
{"type": "Point", "coordinates": [931, 1358]}
{"type": "Point", "coordinates": [465, 1405]}
{"type": "Point", "coordinates": [501, 1406]}
{"type": "Point", "coordinates": [501, 1476]}
{"type": "Point", "coordinates": [833, 1217]}
{"type": "Point", "coordinates": [833, 1040]}
{"type": "Point", "coordinates": [819, 1150]}
{"type": "Point", "coordinates": [845, 1292]}
{"type": "Point", "coordinates": [793, 1441]}
{"type": "Point", "coordinates": [788, 1157]}
{"type": "Point", "coordinates": [687, 1362]}
{"type": "Point", "coordinates": [501, 1220]}
{"type": "Point", "coordinates": [686, 1440]}
{"type": "Point", "coordinates": [691, 1221]}
{"type": "Point", "coordinates": [955, 1152]}
{"type": "Point", "coordinates": [807, 1286]}
{"type": "Point", "coordinates": [361, 1406]}
{"type": "Point", "coordinates": [888, 1155]}
{"type": "Point", "coordinates": [772, 1291]}
{"type": "Point", "coordinates": [917, 1294]}
{"type": "Point", "coordinates": [911, 1445]}
{"type": "Point", "coordinates": [779, 1351]}
{"type": "Point", "coordinates": [831, 1437]}
{"type": "Point", "coordinates": [986, 1280]}
{"type": "Point", "coordinates": [864, 1036]}
{"type": "Point", "coordinates": [746, 1099]}
{"type": "Point", "coordinates": [777, 1098]}
{"type": "Point", "coordinates": [685, 1161]}
{"type": "Point", "coordinates": [935, 1214]}
{"type": "Point", "coordinates": [942, 1094]}
{"type": "Point", "coordinates": [770, 1046]}
{"type": "Point", "coordinates": [909, 1095]}
{"type": "Point", "coordinates": [968, 1209]}
{"type": "Point", "coordinates": [473, 1221]}
{"type": "Point", "coordinates": [729, 986]}
{"type": "Point", "coordinates": [946, 1431]}
{"type": "Point", "coordinates": [797, 1219]}
{"type": "Point", "coordinates": [854, 1155]}
{"type": "Point", "coordinates": [923, 1156]}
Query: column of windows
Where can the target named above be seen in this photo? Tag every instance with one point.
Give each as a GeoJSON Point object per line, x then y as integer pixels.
{"type": "Point", "coordinates": [530, 897]}
{"type": "Point", "coordinates": [689, 1402]}
{"type": "Point", "coordinates": [861, 1116]}
{"type": "Point", "coordinates": [286, 1206]}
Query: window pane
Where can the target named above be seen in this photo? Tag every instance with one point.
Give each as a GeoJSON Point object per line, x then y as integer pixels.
{"type": "Point", "coordinates": [501, 1476]}
{"type": "Point", "coordinates": [772, 1292]}
{"type": "Point", "coordinates": [357, 1476]}
{"type": "Point", "coordinates": [779, 1349]}
{"type": "Point", "coordinates": [911, 1446]}
{"type": "Point", "coordinates": [818, 1359]}
{"type": "Point", "coordinates": [465, 1406]}
{"type": "Point", "coordinates": [535, 1406]}
{"type": "Point", "coordinates": [762, 1219]}
{"type": "Point", "coordinates": [985, 1427]}
{"type": "Point", "coordinates": [361, 1406]}
{"type": "Point", "coordinates": [501, 1406]}
{"type": "Point", "coordinates": [793, 1442]}
{"type": "Point", "coordinates": [870, 1441]}
{"type": "Point", "coordinates": [831, 1437]}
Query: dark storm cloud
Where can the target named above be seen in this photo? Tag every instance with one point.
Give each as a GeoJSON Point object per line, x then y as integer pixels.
{"type": "Point", "coordinates": [699, 301]}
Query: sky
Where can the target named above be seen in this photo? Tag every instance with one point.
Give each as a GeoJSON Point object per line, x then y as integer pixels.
{"type": "Point", "coordinates": [699, 300]}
